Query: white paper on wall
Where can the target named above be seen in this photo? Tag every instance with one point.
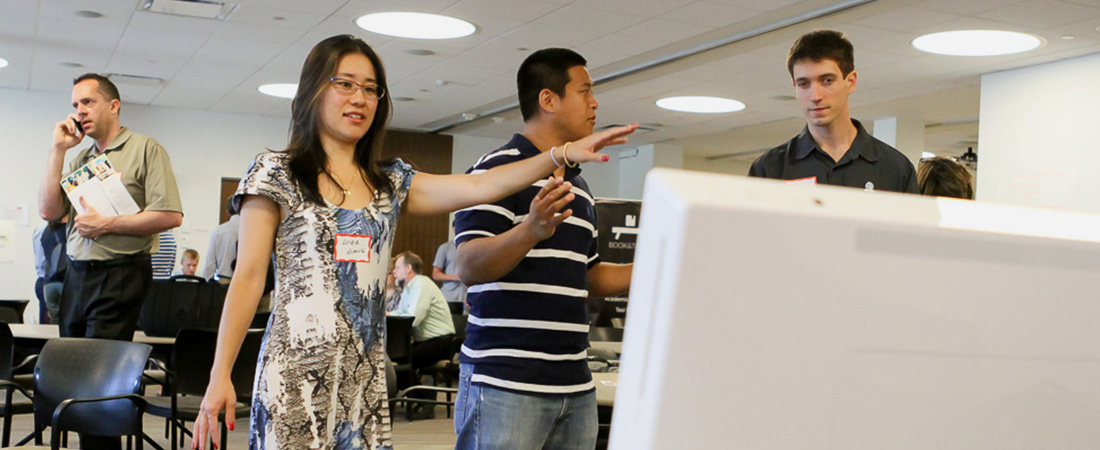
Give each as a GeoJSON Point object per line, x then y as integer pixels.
{"type": "Point", "coordinates": [7, 239]}
{"type": "Point", "coordinates": [16, 212]}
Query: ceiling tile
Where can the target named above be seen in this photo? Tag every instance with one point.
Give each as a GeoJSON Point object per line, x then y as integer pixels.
{"type": "Point", "coordinates": [576, 17]}
{"type": "Point", "coordinates": [280, 18]}
{"type": "Point", "coordinates": [191, 98]}
{"type": "Point", "coordinates": [19, 7]}
{"type": "Point", "coordinates": [1043, 13]}
{"type": "Point", "coordinates": [519, 10]}
{"type": "Point", "coordinates": [711, 14]}
{"type": "Point", "coordinates": [551, 36]}
{"type": "Point", "coordinates": [968, 7]}
{"type": "Point", "coordinates": [658, 33]}
{"type": "Point", "coordinates": [906, 19]}
{"type": "Point", "coordinates": [298, 5]}
{"type": "Point", "coordinates": [160, 46]}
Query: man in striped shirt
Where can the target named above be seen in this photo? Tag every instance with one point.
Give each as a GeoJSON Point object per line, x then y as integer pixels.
{"type": "Point", "coordinates": [531, 261]}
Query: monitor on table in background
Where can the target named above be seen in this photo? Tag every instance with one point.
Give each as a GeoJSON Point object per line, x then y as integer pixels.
{"type": "Point", "coordinates": [773, 316]}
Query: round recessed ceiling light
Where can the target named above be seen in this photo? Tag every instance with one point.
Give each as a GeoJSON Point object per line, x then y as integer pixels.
{"type": "Point", "coordinates": [87, 14]}
{"type": "Point", "coordinates": [281, 90]}
{"type": "Point", "coordinates": [976, 43]}
{"type": "Point", "coordinates": [3, 63]}
{"type": "Point", "coordinates": [70, 64]}
{"type": "Point", "coordinates": [700, 104]}
{"type": "Point", "coordinates": [415, 25]}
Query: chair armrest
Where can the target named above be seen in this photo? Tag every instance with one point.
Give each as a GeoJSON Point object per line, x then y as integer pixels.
{"type": "Point", "coordinates": [8, 386]}
{"type": "Point", "coordinates": [426, 388]}
{"type": "Point", "coordinates": [156, 364]}
{"type": "Point", "coordinates": [26, 366]}
{"type": "Point", "coordinates": [55, 424]}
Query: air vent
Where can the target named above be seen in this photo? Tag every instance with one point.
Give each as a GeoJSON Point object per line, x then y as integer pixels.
{"type": "Point", "coordinates": [205, 9]}
{"type": "Point", "coordinates": [642, 128]}
{"type": "Point", "coordinates": [142, 80]}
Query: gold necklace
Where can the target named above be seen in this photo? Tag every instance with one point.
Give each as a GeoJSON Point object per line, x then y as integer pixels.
{"type": "Point", "coordinates": [343, 191]}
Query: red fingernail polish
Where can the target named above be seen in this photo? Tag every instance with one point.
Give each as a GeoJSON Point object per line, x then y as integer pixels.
{"type": "Point", "coordinates": [604, 158]}
{"type": "Point", "coordinates": [231, 427]}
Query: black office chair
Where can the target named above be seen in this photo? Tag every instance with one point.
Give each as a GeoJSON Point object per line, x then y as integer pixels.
{"type": "Point", "coordinates": [189, 373]}
{"type": "Point", "coordinates": [11, 405]}
{"type": "Point", "coordinates": [11, 311]}
{"type": "Point", "coordinates": [89, 386]}
{"type": "Point", "coordinates": [399, 350]}
{"type": "Point", "coordinates": [446, 371]}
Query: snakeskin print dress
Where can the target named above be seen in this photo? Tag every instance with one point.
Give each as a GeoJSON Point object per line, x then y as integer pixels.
{"type": "Point", "coordinates": [320, 379]}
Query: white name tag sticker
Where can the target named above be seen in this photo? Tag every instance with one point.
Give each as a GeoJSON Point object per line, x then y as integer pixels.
{"type": "Point", "coordinates": [806, 181]}
{"type": "Point", "coordinates": [353, 248]}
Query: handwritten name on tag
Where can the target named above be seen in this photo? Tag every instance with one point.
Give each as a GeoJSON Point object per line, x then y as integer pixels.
{"type": "Point", "coordinates": [353, 248]}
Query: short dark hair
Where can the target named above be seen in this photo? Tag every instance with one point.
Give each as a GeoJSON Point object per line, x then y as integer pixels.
{"type": "Point", "coordinates": [545, 69]}
{"type": "Point", "coordinates": [412, 260]}
{"type": "Point", "coordinates": [820, 45]}
{"type": "Point", "coordinates": [106, 87]}
{"type": "Point", "coordinates": [945, 178]}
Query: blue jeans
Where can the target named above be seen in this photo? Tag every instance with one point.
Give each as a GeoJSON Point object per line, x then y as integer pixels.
{"type": "Point", "coordinates": [487, 418]}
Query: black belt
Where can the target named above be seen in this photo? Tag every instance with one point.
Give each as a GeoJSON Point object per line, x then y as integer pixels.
{"type": "Point", "coordinates": [116, 262]}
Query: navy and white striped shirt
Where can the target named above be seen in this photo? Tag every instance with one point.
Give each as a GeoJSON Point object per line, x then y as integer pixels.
{"type": "Point", "coordinates": [528, 331]}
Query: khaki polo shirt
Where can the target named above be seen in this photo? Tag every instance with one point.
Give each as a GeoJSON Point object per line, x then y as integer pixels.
{"type": "Point", "coordinates": [148, 177]}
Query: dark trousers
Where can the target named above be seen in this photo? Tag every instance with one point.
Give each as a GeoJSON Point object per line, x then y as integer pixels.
{"type": "Point", "coordinates": [102, 299]}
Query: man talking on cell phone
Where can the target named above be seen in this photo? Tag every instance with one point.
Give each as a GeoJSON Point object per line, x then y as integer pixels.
{"type": "Point", "coordinates": [110, 270]}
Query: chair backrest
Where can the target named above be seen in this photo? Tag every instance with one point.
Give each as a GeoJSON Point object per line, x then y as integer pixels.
{"type": "Point", "coordinates": [84, 368]}
{"type": "Point", "coordinates": [7, 352]}
{"type": "Point", "coordinates": [460, 321]}
{"type": "Point", "coordinates": [181, 303]}
{"type": "Point", "coordinates": [11, 311]}
{"type": "Point", "coordinates": [187, 279]}
{"type": "Point", "coordinates": [399, 338]}
{"type": "Point", "coordinates": [193, 357]}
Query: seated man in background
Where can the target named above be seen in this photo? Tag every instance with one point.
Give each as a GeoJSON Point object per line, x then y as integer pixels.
{"type": "Point", "coordinates": [433, 329]}
{"type": "Point", "coordinates": [189, 263]}
{"type": "Point", "coordinates": [945, 178]}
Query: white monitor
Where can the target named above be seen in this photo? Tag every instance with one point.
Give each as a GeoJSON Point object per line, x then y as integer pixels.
{"type": "Point", "coordinates": [765, 315]}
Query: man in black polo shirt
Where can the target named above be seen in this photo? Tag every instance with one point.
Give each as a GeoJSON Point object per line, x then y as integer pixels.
{"type": "Point", "coordinates": [833, 148]}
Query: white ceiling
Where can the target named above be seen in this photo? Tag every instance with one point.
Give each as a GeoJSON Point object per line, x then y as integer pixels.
{"type": "Point", "coordinates": [217, 65]}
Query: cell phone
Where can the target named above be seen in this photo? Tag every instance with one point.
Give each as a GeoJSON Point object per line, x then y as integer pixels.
{"type": "Point", "coordinates": [79, 127]}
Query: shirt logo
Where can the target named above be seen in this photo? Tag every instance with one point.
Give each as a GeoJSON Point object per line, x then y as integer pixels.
{"type": "Point", "coordinates": [869, 186]}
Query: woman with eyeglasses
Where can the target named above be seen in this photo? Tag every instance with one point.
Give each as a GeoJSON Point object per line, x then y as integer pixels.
{"type": "Point", "coordinates": [328, 207]}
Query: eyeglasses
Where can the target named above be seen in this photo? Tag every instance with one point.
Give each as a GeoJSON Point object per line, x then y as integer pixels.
{"type": "Point", "coordinates": [348, 87]}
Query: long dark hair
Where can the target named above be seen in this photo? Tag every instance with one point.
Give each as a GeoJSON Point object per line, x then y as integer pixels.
{"type": "Point", "coordinates": [307, 157]}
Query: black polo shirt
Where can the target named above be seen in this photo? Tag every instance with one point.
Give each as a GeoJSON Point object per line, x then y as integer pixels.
{"type": "Point", "coordinates": [869, 164]}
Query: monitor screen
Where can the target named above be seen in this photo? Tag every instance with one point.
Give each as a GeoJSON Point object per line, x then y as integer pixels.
{"type": "Point", "coordinates": [773, 316]}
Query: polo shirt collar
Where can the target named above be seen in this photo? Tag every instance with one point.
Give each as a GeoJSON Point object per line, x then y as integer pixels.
{"type": "Point", "coordinates": [528, 150]}
{"type": "Point", "coordinates": [116, 144]}
{"type": "Point", "coordinates": [862, 146]}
